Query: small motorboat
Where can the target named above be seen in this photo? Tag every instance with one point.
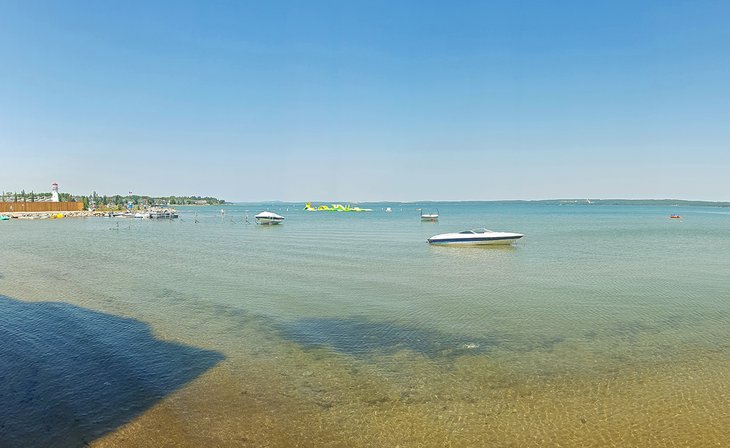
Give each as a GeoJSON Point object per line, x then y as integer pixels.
{"type": "Point", "coordinates": [4, 218]}
{"type": "Point", "coordinates": [475, 237]}
{"type": "Point", "coordinates": [268, 218]}
{"type": "Point", "coordinates": [429, 215]}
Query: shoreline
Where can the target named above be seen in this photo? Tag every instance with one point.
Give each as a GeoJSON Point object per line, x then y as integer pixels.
{"type": "Point", "coordinates": [40, 215]}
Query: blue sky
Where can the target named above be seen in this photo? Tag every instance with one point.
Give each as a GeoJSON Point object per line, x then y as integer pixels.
{"type": "Point", "coordinates": [359, 101]}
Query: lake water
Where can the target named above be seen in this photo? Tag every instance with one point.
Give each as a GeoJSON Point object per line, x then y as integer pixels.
{"type": "Point", "coordinates": [606, 325]}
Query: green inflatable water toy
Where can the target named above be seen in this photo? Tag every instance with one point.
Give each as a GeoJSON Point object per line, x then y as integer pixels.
{"type": "Point", "coordinates": [334, 208]}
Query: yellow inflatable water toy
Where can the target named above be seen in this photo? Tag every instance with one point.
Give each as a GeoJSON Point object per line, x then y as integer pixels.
{"type": "Point", "coordinates": [58, 216]}
{"type": "Point", "coordinates": [334, 208]}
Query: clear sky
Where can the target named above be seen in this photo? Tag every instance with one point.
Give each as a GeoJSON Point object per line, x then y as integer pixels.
{"type": "Point", "coordinates": [370, 100]}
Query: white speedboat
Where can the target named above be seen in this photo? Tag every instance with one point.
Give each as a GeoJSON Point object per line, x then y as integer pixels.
{"type": "Point", "coordinates": [429, 215]}
{"type": "Point", "coordinates": [475, 237]}
{"type": "Point", "coordinates": [268, 218]}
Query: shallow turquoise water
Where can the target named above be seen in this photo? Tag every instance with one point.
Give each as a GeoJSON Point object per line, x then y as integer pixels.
{"type": "Point", "coordinates": [591, 291]}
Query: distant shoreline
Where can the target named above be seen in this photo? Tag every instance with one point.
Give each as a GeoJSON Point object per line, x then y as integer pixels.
{"type": "Point", "coordinates": [584, 201]}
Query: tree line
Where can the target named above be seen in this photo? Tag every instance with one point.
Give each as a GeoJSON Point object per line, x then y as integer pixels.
{"type": "Point", "coordinates": [114, 201]}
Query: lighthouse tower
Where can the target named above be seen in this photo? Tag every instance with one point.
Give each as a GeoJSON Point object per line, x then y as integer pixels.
{"type": "Point", "coordinates": [54, 192]}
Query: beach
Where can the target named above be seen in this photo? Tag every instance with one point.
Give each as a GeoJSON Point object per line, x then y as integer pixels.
{"type": "Point", "coordinates": [604, 326]}
{"type": "Point", "coordinates": [46, 215]}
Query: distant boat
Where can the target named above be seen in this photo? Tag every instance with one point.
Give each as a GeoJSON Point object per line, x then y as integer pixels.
{"type": "Point", "coordinates": [675, 217]}
{"type": "Point", "coordinates": [149, 213]}
{"type": "Point", "coordinates": [388, 210]}
{"type": "Point", "coordinates": [4, 218]}
{"type": "Point", "coordinates": [475, 237]}
{"type": "Point", "coordinates": [430, 215]}
{"type": "Point", "coordinates": [159, 213]}
{"type": "Point", "coordinates": [268, 218]}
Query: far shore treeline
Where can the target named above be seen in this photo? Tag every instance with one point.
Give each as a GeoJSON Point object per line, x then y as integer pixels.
{"type": "Point", "coordinates": [116, 201]}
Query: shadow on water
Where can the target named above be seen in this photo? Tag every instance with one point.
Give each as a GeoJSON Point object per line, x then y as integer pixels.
{"type": "Point", "coordinates": [68, 375]}
{"type": "Point", "coordinates": [360, 337]}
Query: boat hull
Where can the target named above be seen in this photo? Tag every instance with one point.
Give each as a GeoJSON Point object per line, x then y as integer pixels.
{"type": "Point", "coordinates": [478, 237]}
{"type": "Point", "coordinates": [268, 221]}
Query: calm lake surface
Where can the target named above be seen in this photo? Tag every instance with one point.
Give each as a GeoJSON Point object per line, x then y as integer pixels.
{"type": "Point", "coordinates": [607, 325]}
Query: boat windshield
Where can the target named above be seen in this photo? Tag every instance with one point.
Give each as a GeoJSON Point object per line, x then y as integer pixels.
{"type": "Point", "coordinates": [474, 231]}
